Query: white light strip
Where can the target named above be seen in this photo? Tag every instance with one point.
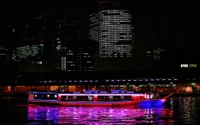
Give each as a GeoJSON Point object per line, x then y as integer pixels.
{"type": "Point", "coordinates": [101, 94]}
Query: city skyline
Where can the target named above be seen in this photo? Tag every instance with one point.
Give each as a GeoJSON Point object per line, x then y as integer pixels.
{"type": "Point", "coordinates": [154, 24]}
{"type": "Point", "coordinates": [168, 30]}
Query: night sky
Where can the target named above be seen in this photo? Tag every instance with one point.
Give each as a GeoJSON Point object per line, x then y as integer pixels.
{"type": "Point", "coordinates": [170, 24]}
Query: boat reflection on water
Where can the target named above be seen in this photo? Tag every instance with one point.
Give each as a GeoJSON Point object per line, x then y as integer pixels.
{"type": "Point", "coordinates": [99, 115]}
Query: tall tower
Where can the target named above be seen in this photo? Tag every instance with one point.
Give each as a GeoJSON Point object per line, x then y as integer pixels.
{"type": "Point", "coordinates": [111, 26]}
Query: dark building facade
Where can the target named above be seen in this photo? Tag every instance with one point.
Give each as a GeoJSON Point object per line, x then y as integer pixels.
{"type": "Point", "coordinates": [74, 51]}
{"type": "Point", "coordinates": [3, 58]}
{"type": "Point", "coordinates": [31, 42]}
{"type": "Point", "coordinates": [47, 44]}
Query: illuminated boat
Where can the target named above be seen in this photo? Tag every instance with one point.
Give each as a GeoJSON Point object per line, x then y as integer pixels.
{"type": "Point", "coordinates": [95, 98]}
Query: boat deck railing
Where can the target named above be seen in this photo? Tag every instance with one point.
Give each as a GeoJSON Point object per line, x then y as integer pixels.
{"type": "Point", "coordinates": [87, 92]}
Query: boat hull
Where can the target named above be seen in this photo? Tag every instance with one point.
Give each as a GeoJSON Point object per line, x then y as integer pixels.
{"type": "Point", "coordinates": [99, 103]}
{"type": "Point", "coordinates": [84, 103]}
{"type": "Point", "coordinates": [152, 103]}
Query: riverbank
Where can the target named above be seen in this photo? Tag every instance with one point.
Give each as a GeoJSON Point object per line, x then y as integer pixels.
{"type": "Point", "coordinates": [161, 94]}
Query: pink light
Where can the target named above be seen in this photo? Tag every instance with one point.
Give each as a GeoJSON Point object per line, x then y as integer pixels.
{"type": "Point", "coordinates": [59, 97]}
{"type": "Point", "coordinates": [95, 97]}
{"type": "Point", "coordinates": [100, 94]}
{"type": "Point", "coordinates": [38, 18]}
{"type": "Point", "coordinates": [163, 100]}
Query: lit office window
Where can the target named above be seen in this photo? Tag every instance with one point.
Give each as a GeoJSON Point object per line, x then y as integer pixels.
{"type": "Point", "coordinates": [112, 29]}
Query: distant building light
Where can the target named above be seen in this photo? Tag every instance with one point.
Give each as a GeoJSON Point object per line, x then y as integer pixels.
{"type": "Point", "coordinates": [192, 65]}
{"type": "Point", "coordinates": [184, 65]}
{"type": "Point", "coordinates": [40, 62]}
{"type": "Point", "coordinates": [38, 18]}
{"type": "Point", "coordinates": [148, 51]}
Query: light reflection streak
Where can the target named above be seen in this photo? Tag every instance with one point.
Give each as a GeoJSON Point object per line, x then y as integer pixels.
{"type": "Point", "coordinates": [99, 115]}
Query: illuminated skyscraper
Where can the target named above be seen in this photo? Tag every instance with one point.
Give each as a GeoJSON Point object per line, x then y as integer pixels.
{"type": "Point", "coordinates": [111, 26]}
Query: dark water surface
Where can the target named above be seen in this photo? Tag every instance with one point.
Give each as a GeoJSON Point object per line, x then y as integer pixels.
{"type": "Point", "coordinates": [178, 110]}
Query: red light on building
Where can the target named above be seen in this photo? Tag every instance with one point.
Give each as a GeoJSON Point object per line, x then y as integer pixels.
{"type": "Point", "coordinates": [38, 18]}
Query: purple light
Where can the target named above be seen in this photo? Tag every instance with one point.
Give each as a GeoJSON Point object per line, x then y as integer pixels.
{"type": "Point", "coordinates": [152, 79]}
{"type": "Point", "coordinates": [107, 80]}
{"type": "Point", "coordinates": [134, 80]}
{"type": "Point", "coordinates": [123, 80]}
{"type": "Point", "coordinates": [118, 80]}
{"type": "Point", "coordinates": [91, 80]}
{"type": "Point", "coordinates": [175, 79]}
{"type": "Point", "coordinates": [169, 79]}
{"type": "Point", "coordinates": [146, 80]}
{"type": "Point", "coordinates": [50, 81]}
{"type": "Point", "coordinates": [101, 115]}
{"type": "Point", "coordinates": [86, 81]}
{"type": "Point", "coordinates": [80, 81]}
{"type": "Point", "coordinates": [158, 79]}
{"type": "Point", "coordinates": [75, 80]}
{"type": "Point", "coordinates": [45, 81]}
{"type": "Point", "coordinates": [96, 80]}
{"type": "Point", "coordinates": [163, 79]}
{"type": "Point", "coordinates": [112, 80]}
{"type": "Point", "coordinates": [140, 80]}
{"type": "Point", "coordinates": [102, 94]}
{"type": "Point", "coordinates": [163, 100]}
{"type": "Point", "coordinates": [70, 80]}
{"type": "Point", "coordinates": [129, 80]}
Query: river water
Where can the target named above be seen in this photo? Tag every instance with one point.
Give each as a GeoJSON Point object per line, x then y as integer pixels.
{"type": "Point", "coordinates": [178, 111]}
